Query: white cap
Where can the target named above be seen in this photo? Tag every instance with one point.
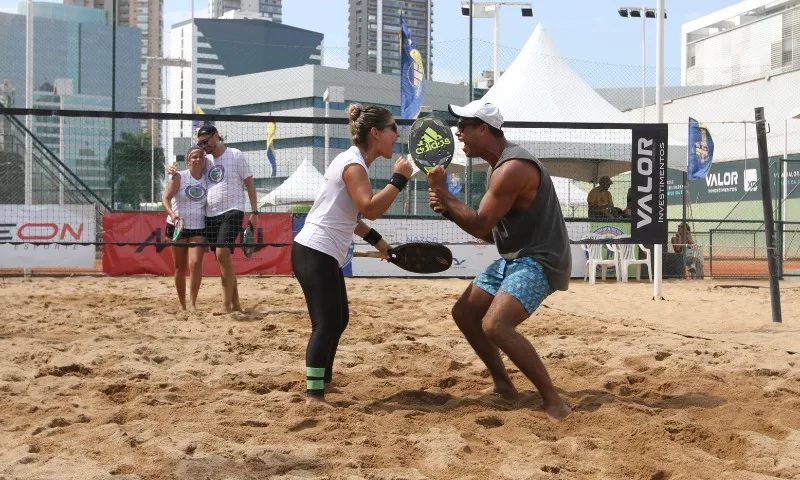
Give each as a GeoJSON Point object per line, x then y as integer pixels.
{"type": "Point", "coordinates": [479, 109]}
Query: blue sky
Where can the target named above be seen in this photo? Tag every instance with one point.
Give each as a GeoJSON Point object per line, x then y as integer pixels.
{"type": "Point", "coordinates": [584, 30]}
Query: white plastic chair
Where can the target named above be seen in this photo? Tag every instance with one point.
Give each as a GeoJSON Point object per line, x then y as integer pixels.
{"type": "Point", "coordinates": [627, 257]}
{"type": "Point", "coordinates": [596, 258]}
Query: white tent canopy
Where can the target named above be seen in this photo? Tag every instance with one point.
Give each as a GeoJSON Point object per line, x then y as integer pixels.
{"type": "Point", "coordinates": [540, 85]}
{"type": "Point", "coordinates": [300, 187]}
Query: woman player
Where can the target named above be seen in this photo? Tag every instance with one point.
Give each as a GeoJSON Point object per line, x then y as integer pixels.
{"type": "Point", "coordinates": [185, 203]}
{"type": "Point", "coordinates": [319, 250]}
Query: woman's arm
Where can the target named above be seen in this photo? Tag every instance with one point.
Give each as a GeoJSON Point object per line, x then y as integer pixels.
{"type": "Point", "coordinates": [172, 189]}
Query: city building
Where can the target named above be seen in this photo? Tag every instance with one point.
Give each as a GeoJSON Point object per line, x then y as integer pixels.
{"type": "Point", "coordinates": [374, 33]}
{"type": "Point", "coordinates": [148, 17]}
{"type": "Point", "coordinates": [299, 91]}
{"type": "Point", "coordinates": [266, 9]}
{"type": "Point", "coordinates": [76, 48]}
{"type": "Point", "coordinates": [220, 48]}
{"type": "Point", "coordinates": [749, 40]}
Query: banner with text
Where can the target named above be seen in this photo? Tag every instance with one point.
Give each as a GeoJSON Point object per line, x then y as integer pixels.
{"type": "Point", "coordinates": [27, 233]}
{"type": "Point", "coordinates": [649, 184]}
{"type": "Point", "coordinates": [145, 257]}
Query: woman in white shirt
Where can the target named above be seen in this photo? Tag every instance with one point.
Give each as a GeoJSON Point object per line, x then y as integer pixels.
{"type": "Point", "coordinates": [185, 201]}
{"type": "Point", "coordinates": [319, 250]}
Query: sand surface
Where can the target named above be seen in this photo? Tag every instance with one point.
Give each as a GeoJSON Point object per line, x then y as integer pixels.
{"type": "Point", "coordinates": [104, 378]}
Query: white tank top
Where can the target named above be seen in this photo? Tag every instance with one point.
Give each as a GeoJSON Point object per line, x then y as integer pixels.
{"type": "Point", "coordinates": [333, 218]}
{"type": "Point", "coordinates": [190, 201]}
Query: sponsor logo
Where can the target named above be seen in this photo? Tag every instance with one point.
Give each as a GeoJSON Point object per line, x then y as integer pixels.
{"type": "Point", "coordinates": [195, 192]}
{"type": "Point", "coordinates": [216, 174]}
{"type": "Point", "coordinates": [644, 166]}
{"type": "Point", "coordinates": [41, 232]}
{"type": "Point", "coordinates": [430, 140]}
{"type": "Point", "coordinates": [457, 262]}
{"type": "Point", "coordinates": [750, 180]}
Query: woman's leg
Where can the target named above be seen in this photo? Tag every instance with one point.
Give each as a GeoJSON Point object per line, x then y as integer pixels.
{"type": "Point", "coordinates": [345, 319]}
{"type": "Point", "coordinates": [195, 270]}
{"type": "Point", "coordinates": [317, 274]}
{"type": "Point", "coordinates": [180, 255]}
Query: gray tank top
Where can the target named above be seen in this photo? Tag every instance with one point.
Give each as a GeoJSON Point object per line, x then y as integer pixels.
{"type": "Point", "coordinates": [539, 232]}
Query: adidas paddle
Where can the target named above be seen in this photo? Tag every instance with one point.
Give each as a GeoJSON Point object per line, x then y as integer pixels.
{"type": "Point", "coordinates": [430, 143]}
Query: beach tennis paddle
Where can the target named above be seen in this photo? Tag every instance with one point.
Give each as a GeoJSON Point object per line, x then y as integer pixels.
{"type": "Point", "coordinates": [247, 240]}
{"type": "Point", "coordinates": [417, 257]}
{"type": "Point", "coordinates": [431, 143]}
{"type": "Point", "coordinates": [178, 228]}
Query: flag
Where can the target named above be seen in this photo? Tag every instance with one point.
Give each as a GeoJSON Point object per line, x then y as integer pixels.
{"type": "Point", "coordinates": [271, 127]}
{"type": "Point", "coordinates": [198, 111]}
{"type": "Point", "coordinates": [454, 185]}
{"type": "Point", "coordinates": [701, 150]}
{"type": "Point", "coordinates": [412, 75]}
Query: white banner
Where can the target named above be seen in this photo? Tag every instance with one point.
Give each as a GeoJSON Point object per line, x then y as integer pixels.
{"type": "Point", "coordinates": [468, 260]}
{"type": "Point", "coordinates": [42, 228]}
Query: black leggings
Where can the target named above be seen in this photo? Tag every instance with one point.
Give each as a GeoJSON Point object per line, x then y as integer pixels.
{"type": "Point", "coordinates": [323, 285]}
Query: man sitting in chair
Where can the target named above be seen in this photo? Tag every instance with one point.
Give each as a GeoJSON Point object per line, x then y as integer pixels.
{"type": "Point", "coordinates": [683, 242]}
{"type": "Point", "coordinates": [600, 202]}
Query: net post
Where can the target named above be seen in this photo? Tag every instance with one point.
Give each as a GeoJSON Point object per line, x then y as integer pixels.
{"type": "Point", "coordinates": [769, 221]}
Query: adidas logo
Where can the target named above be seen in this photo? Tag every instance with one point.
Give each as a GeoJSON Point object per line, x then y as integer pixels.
{"type": "Point", "coordinates": [430, 140]}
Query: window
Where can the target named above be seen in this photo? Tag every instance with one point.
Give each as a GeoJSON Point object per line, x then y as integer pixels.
{"type": "Point", "coordinates": [786, 52]}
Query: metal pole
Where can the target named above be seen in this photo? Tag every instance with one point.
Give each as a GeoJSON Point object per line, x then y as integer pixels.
{"type": "Point", "coordinates": [468, 172]}
{"type": "Point", "coordinates": [428, 14]}
{"type": "Point", "coordinates": [658, 286]}
{"type": "Point", "coordinates": [769, 221]}
{"type": "Point", "coordinates": [113, 95]}
{"type": "Point", "coordinates": [29, 103]}
{"type": "Point", "coordinates": [61, 151]}
{"type": "Point", "coordinates": [327, 139]}
{"type": "Point", "coordinates": [784, 185]}
{"type": "Point", "coordinates": [152, 159]}
{"type": "Point", "coordinates": [496, 42]}
{"type": "Point", "coordinates": [644, 66]}
{"type": "Point", "coordinates": [379, 57]}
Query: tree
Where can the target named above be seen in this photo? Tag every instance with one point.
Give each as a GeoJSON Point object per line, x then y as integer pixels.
{"type": "Point", "coordinates": [131, 169]}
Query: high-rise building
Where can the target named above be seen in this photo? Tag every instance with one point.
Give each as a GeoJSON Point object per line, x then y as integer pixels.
{"type": "Point", "coordinates": [374, 33]}
{"type": "Point", "coordinates": [746, 41]}
{"type": "Point", "coordinates": [266, 9]}
{"type": "Point", "coordinates": [148, 17]}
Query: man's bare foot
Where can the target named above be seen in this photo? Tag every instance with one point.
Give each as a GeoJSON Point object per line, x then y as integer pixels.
{"type": "Point", "coordinates": [507, 392]}
{"type": "Point", "coordinates": [318, 401]}
{"type": "Point", "coordinates": [557, 413]}
{"type": "Point", "coordinates": [237, 308]}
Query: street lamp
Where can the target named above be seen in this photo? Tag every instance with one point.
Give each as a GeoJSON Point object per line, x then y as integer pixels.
{"type": "Point", "coordinates": [332, 94]}
{"type": "Point", "coordinates": [644, 13]}
{"type": "Point", "coordinates": [62, 88]}
{"type": "Point", "coordinates": [489, 10]}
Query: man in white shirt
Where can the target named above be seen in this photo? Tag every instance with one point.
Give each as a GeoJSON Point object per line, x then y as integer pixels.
{"type": "Point", "coordinates": [225, 206]}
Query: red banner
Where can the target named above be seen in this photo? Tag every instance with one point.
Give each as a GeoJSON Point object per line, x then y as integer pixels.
{"type": "Point", "coordinates": [145, 229]}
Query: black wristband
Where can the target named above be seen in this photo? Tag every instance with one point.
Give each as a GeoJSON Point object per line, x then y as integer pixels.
{"type": "Point", "coordinates": [372, 237]}
{"type": "Point", "coordinates": [398, 180]}
{"type": "Point", "coordinates": [447, 215]}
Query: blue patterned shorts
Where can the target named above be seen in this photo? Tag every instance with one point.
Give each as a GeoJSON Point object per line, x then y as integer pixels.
{"type": "Point", "coordinates": [523, 278]}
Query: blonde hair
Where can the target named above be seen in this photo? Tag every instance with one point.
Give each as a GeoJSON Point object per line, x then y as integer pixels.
{"type": "Point", "coordinates": [362, 119]}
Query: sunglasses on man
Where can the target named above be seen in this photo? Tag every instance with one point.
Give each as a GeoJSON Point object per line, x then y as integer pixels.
{"type": "Point", "coordinates": [462, 124]}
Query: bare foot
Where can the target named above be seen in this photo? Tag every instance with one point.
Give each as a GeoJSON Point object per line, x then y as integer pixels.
{"type": "Point", "coordinates": [507, 392]}
{"type": "Point", "coordinates": [318, 401]}
{"type": "Point", "coordinates": [557, 413]}
{"type": "Point", "coordinates": [237, 308]}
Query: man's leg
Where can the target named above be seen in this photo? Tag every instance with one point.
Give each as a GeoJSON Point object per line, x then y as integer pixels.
{"type": "Point", "coordinates": [468, 313]}
{"type": "Point", "coordinates": [227, 276]}
{"type": "Point", "coordinates": [524, 288]}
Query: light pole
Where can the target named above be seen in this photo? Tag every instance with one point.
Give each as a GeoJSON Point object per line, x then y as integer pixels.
{"type": "Point", "coordinates": [492, 10]}
{"type": "Point", "coordinates": [332, 94]}
{"type": "Point", "coordinates": [62, 88]}
{"type": "Point", "coordinates": [644, 13]}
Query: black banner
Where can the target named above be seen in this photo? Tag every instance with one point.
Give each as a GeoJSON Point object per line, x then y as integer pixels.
{"type": "Point", "coordinates": [649, 184]}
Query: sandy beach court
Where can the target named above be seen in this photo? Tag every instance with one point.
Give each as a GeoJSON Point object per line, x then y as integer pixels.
{"type": "Point", "coordinates": [104, 378]}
